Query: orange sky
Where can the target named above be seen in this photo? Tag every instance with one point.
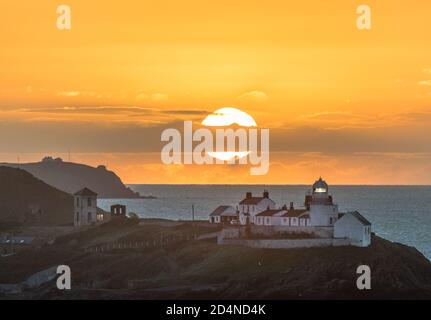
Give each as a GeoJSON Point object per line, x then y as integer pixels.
{"type": "Point", "coordinates": [351, 105]}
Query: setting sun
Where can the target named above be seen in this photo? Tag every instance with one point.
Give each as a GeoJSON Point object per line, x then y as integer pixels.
{"type": "Point", "coordinates": [228, 116]}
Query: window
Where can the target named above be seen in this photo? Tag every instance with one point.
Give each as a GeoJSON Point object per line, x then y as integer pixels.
{"type": "Point", "coordinates": [77, 217]}
{"type": "Point", "coordinates": [89, 217]}
{"type": "Point", "coordinates": [89, 202]}
{"type": "Point", "coordinates": [77, 201]}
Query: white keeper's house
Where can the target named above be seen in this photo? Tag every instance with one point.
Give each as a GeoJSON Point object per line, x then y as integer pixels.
{"type": "Point", "coordinates": [319, 212]}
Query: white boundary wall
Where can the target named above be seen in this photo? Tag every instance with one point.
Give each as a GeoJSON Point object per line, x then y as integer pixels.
{"type": "Point", "coordinates": [318, 232]}
{"type": "Point", "coordinates": [285, 243]}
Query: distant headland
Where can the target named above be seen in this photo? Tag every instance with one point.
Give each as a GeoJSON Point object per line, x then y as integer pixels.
{"type": "Point", "coordinates": [70, 177]}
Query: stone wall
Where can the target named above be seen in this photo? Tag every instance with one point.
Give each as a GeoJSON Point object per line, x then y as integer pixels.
{"type": "Point", "coordinates": [285, 243]}
{"type": "Point", "coordinates": [318, 232]}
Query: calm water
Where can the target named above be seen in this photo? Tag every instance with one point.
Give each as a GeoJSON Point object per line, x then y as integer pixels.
{"type": "Point", "coordinates": [397, 213]}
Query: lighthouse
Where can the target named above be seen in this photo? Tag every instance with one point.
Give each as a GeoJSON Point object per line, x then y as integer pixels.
{"type": "Point", "coordinates": [323, 212]}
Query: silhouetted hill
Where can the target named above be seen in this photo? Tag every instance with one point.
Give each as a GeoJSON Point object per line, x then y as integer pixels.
{"type": "Point", "coordinates": [172, 266]}
{"type": "Point", "coordinates": [24, 198]}
{"type": "Point", "coordinates": [71, 177]}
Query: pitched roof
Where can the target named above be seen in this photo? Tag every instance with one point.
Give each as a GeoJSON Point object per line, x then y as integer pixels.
{"type": "Point", "coordinates": [341, 214]}
{"type": "Point", "coordinates": [295, 213]}
{"type": "Point", "coordinates": [360, 218]}
{"type": "Point", "coordinates": [85, 192]}
{"type": "Point", "coordinates": [252, 200]}
{"type": "Point", "coordinates": [220, 210]}
{"type": "Point", "coordinates": [269, 212]}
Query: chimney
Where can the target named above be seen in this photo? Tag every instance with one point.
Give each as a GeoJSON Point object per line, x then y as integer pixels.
{"type": "Point", "coordinates": [248, 195]}
{"type": "Point", "coordinates": [291, 206]}
{"type": "Point", "coordinates": [266, 194]}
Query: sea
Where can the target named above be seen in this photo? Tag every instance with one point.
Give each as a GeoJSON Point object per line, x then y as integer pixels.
{"type": "Point", "coordinates": [397, 213]}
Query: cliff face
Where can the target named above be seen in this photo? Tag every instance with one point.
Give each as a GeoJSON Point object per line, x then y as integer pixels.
{"type": "Point", "coordinates": [201, 269]}
{"type": "Point", "coordinates": [24, 198]}
{"type": "Point", "coordinates": [71, 177]}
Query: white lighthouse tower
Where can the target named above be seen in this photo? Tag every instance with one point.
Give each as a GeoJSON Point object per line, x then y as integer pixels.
{"type": "Point", "coordinates": [323, 212]}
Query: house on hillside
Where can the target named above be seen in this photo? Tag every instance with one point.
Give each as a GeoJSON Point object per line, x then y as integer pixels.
{"type": "Point", "coordinates": [283, 217]}
{"type": "Point", "coordinates": [223, 214]}
{"type": "Point", "coordinates": [253, 205]}
{"type": "Point", "coordinates": [85, 204]}
{"type": "Point", "coordinates": [270, 217]}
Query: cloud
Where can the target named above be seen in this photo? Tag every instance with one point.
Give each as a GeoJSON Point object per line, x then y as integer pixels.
{"type": "Point", "coordinates": [68, 93]}
{"type": "Point", "coordinates": [186, 112]}
{"type": "Point", "coordinates": [337, 120]}
{"type": "Point", "coordinates": [152, 97]}
{"type": "Point", "coordinates": [425, 83]}
{"type": "Point", "coordinates": [92, 110]}
{"type": "Point", "coordinates": [427, 70]}
{"type": "Point", "coordinates": [109, 115]}
{"type": "Point", "coordinates": [330, 115]}
{"type": "Point", "coordinates": [76, 93]}
{"type": "Point", "coordinates": [254, 96]}
{"type": "Point", "coordinates": [159, 97]}
{"type": "Point", "coordinates": [142, 96]}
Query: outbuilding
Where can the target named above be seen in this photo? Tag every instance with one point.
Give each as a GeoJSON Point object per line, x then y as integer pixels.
{"type": "Point", "coordinates": [354, 226]}
{"type": "Point", "coordinates": [223, 214]}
